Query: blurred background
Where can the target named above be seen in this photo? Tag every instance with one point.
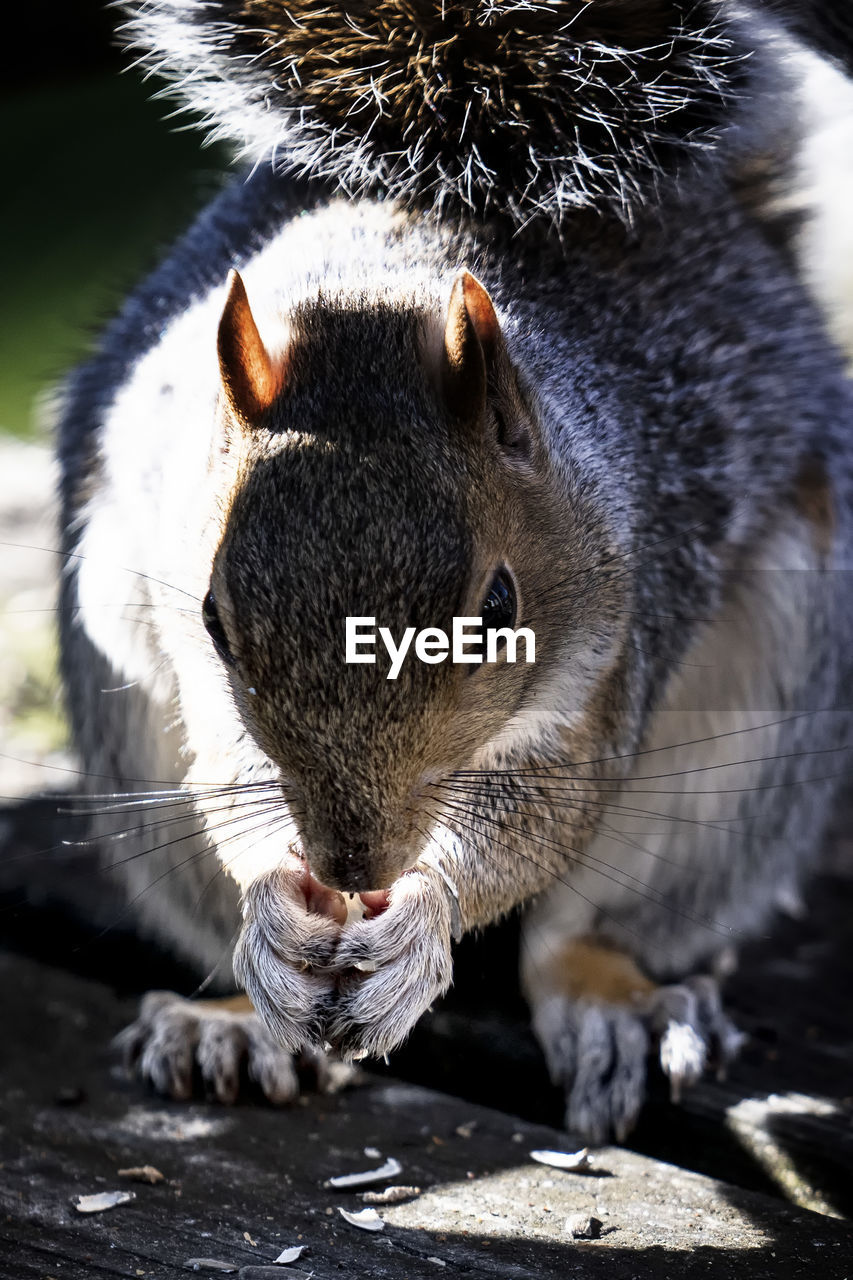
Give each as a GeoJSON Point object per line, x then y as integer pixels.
{"type": "Point", "coordinates": [97, 182]}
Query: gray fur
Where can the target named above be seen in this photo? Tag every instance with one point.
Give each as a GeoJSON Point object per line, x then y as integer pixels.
{"type": "Point", "coordinates": [678, 526]}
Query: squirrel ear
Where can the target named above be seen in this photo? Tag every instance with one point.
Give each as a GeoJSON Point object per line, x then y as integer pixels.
{"type": "Point", "coordinates": [250, 379]}
{"type": "Point", "coordinates": [471, 336]}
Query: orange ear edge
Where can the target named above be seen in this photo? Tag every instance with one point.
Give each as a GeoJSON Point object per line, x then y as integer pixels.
{"type": "Point", "coordinates": [458, 330]}
{"type": "Point", "coordinates": [481, 312]}
{"type": "Point", "coordinates": [251, 379]}
{"type": "Point", "coordinates": [463, 365]}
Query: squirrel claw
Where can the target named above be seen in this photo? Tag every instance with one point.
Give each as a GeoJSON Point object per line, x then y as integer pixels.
{"type": "Point", "coordinates": [284, 960]}
{"type": "Point", "coordinates": [694, 1030]}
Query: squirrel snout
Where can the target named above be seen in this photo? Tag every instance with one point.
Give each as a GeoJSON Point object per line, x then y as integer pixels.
{"type": "Point", "coordinates": [346, 880]}
{"type": "Point", "coordinates": [357, 866]}
{"type": "Point", "coordinates": [346, 866]}
{"type": "Point", "coordinates": [355, 849]}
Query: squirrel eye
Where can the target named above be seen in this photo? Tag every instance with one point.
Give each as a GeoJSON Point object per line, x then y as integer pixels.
{"type": "Point", "coordinates": [513, 436]}
{"type": "Point", "coordinates": [498, 608]}
{"type": "Point", "coordinates": [216, 631]}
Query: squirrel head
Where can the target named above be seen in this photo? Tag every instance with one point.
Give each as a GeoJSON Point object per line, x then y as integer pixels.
{"type": "Point", "coordinates": [384, 462]}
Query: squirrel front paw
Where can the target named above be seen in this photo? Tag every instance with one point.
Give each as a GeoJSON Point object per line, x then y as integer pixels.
{"type": "Point", "coordinates": [392, 967]}
{"type": "Point", "coordinates": [175, 1042]}
{"type": "Point", "coordinates": [284, 956]}
{"type": "Point", "coordinates": [361, 988]}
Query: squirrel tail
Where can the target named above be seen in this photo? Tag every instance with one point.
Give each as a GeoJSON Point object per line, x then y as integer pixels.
{"type": "Point", "coordinates": [526, 108]}
{"type": "Point", "coordinates": [825, 25]}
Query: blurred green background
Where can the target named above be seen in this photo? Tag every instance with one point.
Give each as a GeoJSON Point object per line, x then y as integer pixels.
{"type": "Point", "coordinates": [97, 182]}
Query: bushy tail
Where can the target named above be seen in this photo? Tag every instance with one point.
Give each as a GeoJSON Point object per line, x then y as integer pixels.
{"type": "Point", "coordinates": [530, 108]}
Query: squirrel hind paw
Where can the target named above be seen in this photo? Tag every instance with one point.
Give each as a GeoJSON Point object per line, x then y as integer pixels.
{"type": "Point", "coordinates": [599, 1051]}
{"type": "Point", "coordinates": [220, 1050]}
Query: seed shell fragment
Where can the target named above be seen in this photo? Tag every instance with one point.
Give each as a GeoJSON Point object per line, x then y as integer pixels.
{"type": "Point", "coordinates": [102, 1200]}
{"type": "Point", "coordinates": [366, 1219]}
{"type": "Point", "coordinates": [290, 1255]}
{"type": "Point", "coordinates": [390, 1169]}
{"type": "Point", "coordinates": [570, 1161]}
{"type": "Point", "coordinates": [143, 1173]}
{"type": "Point", "coordinates": [391, 1195]}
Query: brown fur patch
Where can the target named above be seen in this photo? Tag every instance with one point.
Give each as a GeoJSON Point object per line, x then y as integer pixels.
{"type": "Point", "coordinates": [813, 498]}
{"type": "Point", "coordinates": [585, 970]}
{"type": "Point", "coordinates": [226, 1004]}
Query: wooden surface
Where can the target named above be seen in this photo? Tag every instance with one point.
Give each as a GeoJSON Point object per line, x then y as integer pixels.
{"type": "Point", "coordinates": [781, 1123]}
{"type": "Point", "coordinates": [749, 1157]}
{"type": "Point", "coordinates": [242, 1184]}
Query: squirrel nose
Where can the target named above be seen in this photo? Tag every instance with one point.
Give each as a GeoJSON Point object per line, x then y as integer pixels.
{"type": "Point", "coordinates": [347, 868]}
{"type": "Point", "coordinates": [348, 883]}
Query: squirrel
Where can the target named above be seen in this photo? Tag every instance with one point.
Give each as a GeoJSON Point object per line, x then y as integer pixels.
{"type": "Point", "coordinates": [485, 331]}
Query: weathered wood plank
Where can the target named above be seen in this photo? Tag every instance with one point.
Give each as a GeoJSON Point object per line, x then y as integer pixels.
{"type": "Point", "coordinates": [782, 1123]}
{"type": "Point", "coordinates": [783, 1120]}
{"type": "Point", "coordinates": [242, 1184]}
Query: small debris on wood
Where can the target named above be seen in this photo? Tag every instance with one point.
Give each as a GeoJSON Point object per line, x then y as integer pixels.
{"type": "Point", "coordinates": [209, 1264]}
{"type": "Point", "coordinates": [249, 1240]}
{"type": "Point", "coordinates": [569, 1161]}
{"type": "Point", "coordinates": [439, 1262]}
{"type": "Point", "coordinates": [143, 1173]}
{"type": "Point", "coordinates": [366, 1219]}
{"type": "Point", "coordinates": [391, 1195]}
{"type": "Point", "coordinates": [70, 1097]}
{"type": "Point", "coordinates": [583, 1226]}
{"type": "Point", "coordinates": [102, 1200]}
{"type": "Point", "coordinates": [257, 1271]}
{"type": "Point", "coordinates": [390, 1169]}
{"type": "Point", "coordinates": [373, 1153]}
{"type": "Point", "coordinates": [466, 1130]}
{"type": "Point", "coordinates": [290, 1255]}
